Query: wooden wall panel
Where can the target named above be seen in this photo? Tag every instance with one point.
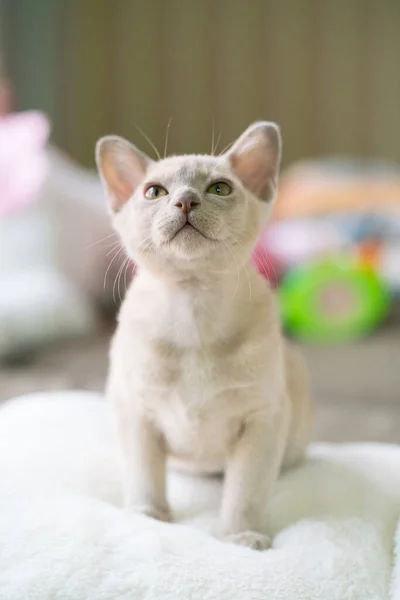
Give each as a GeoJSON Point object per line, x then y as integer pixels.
{"type": "Point", "coordinates": [238, 62]}
{"type": "Point", "coordinates": [138, 89]}
{"type": "Point", "coordinates": [326, 70]}
{"type": "Point", "coordinates": [382, 90]}
{"type": "Point", "coordinates": [289, 73]}
{"type": "Point", "coordinates": [188, 76]}
{"type": "Point", "coordinates": [86, 74]}
{"type": "Point", "coordinates": [341, 71]}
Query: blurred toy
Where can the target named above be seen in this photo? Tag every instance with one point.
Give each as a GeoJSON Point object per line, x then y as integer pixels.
{"type": "Point", "coordinates": [333, 300]}
{"type": "Point", "coordinates": [52, 218]}
{"type": "Point", "coordinates": [336, 237]}
{"type": "Point", "coordinates": [333, 186]}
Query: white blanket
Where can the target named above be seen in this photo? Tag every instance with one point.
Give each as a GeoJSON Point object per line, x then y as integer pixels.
{"type": "Point", "coordinates": [64, 536]}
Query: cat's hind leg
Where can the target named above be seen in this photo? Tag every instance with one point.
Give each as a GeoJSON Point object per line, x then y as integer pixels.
{"type": "Point", "coordinates": [301, 421]}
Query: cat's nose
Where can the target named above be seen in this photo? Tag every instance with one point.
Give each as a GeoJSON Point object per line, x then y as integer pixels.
{"type": "Point", "coordinates": [187, 203]}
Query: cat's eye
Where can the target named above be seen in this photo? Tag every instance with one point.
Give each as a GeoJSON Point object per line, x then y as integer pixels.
{"type": "Point", "coordinates": [155, 191]}
{"type": "Point", "coordinates": [220, 188]}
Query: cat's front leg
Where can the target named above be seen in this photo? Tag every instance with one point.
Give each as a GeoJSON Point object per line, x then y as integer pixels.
{"type": "Point", "coordinates": [252, 469]}
{"type": "Point", "coordinates": [144, 464]}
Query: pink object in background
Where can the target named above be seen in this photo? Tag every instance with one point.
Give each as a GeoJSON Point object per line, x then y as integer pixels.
{"type": "Point", "coordinates": [23, 162]}
{"type": "Point", "coordinates": [284, 244]}
{"type": "Point", "coordinates": [267, 262]}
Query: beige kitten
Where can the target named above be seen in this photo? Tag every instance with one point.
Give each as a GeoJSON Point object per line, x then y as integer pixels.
{"type": "Point", "coordinates": [199, 371]}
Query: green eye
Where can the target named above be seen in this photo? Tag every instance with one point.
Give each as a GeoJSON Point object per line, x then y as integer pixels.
{"type": "Point", "coordinates": [220, 188]}
{"type": "Point", "coordinates": [155, 191]}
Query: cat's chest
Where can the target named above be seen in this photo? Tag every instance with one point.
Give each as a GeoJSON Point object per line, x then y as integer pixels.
{"type": "Point", "coordinates": [196, 402]}
{"type": "Point", "coordinates": [157, 370]}
{"type": "Point", "coordinates": [163, 369]}
{"type": "Point", "coordinates": [198, 395]}
{"type": "Point", "coordinates": [188, 353]}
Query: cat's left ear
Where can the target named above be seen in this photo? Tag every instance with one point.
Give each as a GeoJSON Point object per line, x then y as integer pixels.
{"type": "Point", "coordinates": [255, 158]}
{"type": "Point", "coordinates": [122, 167]}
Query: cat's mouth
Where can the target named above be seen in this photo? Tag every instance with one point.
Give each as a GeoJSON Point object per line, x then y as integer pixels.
{"type": "Point", "coordinates": [188, 228]}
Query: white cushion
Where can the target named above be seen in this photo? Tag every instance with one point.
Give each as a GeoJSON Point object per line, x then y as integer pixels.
{"type": "Point", "coordinates": [64, 535]}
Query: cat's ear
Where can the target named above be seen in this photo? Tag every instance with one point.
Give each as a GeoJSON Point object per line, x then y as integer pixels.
{"type": "Point", "coordinates": [255, 158]}
{"type": "Point", "coordinates": [122, 167]}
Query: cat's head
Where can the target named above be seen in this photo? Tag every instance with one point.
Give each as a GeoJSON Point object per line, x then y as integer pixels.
{"type": "Point", "coordinates": [192, 211]}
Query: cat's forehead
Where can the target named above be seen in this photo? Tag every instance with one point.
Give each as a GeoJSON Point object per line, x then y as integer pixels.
{"type": "Point", "coordinates": [189, 169]}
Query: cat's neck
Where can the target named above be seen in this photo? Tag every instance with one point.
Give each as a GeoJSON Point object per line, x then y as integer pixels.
{"type": "Point", "coordinates": [197, 311]}
{"type": "Point", "coordinates": [206, 283]}
{"type": "Point", "coordinates": [194, 311]}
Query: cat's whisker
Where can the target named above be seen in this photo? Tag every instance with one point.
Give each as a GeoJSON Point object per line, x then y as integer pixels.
{"type": "Point", "coordinates": [214, 145]}
{"type": "Point", "coordinates": [166, 137]}
{"type": "Point", "coordinates": [217, 142]}
{"type": "Point", "coordinates": [212, 136]}
{"type": "Point", "coordinates": [101, 240]}
{"type": "Point", "coordinates": [128, 264]}
{"type": "Point", "coordinates": [109, 266]}
{"type": "Point", "coordinates": [123, 269]}
{"type": "Point", "coordinates": [115, 283]}
{"type": "Point", "coordinates": [237, 266]}
{"type": "Point", "coordinates": [146, 245]}
{"type": "Point", "coordinates": [120, 277]}
{"type": "Point", "coordinates": [146, 137]}
{"type": "Point", "coordinates": [146, 250]}
{"type": "Point", "coordinates": [262, 258]}
{"type": "Point", "coordinates": [225, 148]}
{"type": "Point", "coordinates": [116, 245]}
{"type": "Point", "coordinates": [249, 284]}
{"type": "Point", "coordinates": [256, 258]}
{"type": "Point", "coordinates": [118, 280]}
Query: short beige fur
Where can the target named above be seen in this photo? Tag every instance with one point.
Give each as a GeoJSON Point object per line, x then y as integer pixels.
{"type": "Point", "coordinates": [199, 372]}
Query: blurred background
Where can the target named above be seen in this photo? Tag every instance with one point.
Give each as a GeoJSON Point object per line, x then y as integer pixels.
{"type": "Point", "coordinates": [326, 70]}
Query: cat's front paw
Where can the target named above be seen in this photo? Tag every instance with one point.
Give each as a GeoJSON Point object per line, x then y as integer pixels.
{"type": "Point", "coordinates": [250, 539]}
{"type": "Point", "coordinates": [152, 512]}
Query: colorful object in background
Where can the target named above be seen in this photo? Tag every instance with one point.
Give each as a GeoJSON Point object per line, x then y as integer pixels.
{"type": "Point", "coordinates": [54, 239]}
{"type": "Point", "coordinates": [23, 161]}
{"type": "Point", "coordinates": [338, 186]}
{"type": "Point", "coordinates": [267, 264]}
{"type": "Point", "coordinates": [38, 303]}
{"type": "Point", "coordinates": [333, 300]}
{"type": "Point", "coordinates": [336, 239]}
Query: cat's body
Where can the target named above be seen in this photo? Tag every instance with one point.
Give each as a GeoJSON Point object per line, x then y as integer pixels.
{"type": "Point", "coordinates": [199, 372]}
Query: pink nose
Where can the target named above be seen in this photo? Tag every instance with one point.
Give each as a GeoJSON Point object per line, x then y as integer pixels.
{"type": "Point", "coordinates": [187, 203]}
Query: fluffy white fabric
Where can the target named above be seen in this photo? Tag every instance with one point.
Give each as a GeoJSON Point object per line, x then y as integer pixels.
{"type": "Point", "coordinates": [64, 535]}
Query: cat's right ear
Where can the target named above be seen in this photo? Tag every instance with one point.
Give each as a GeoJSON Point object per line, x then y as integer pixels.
{"type": "Point", "coordinates": [255, 158]}
{"type": "Point", "coordinates": [122, 167]}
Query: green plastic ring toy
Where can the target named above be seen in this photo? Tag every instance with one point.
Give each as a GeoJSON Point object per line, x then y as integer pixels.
{"type": "Point", "coordinates": [332, 300]}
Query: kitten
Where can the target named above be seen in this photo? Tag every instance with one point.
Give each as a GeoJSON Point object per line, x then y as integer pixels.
{"type": "Point", "coordinates": [199, 372]}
